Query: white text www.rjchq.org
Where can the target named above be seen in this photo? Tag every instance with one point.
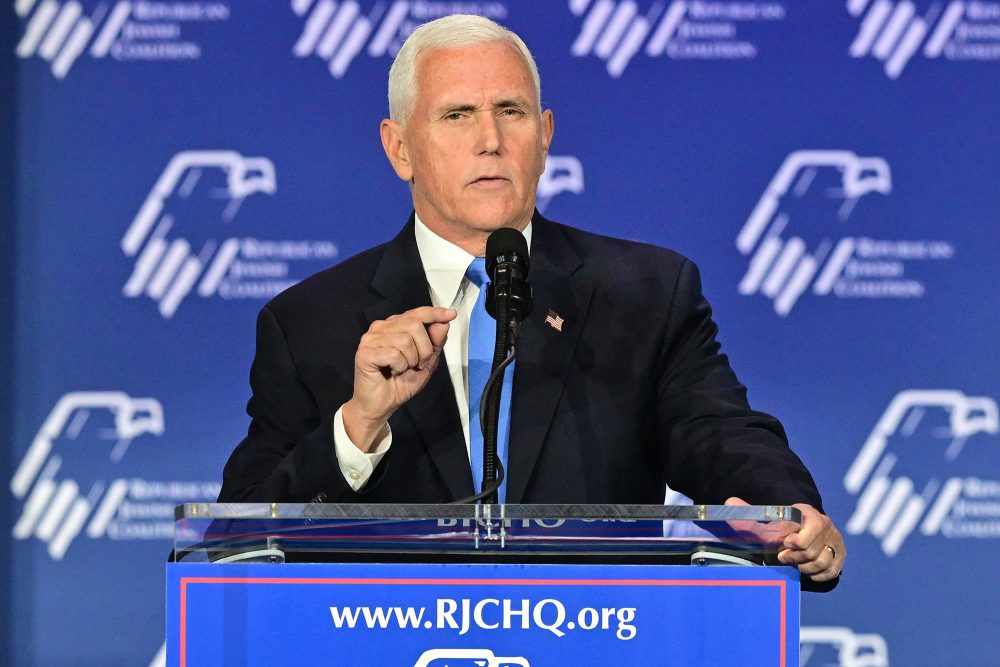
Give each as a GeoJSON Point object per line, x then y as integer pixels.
{"type": "Point", "coordinates": [490, 614]}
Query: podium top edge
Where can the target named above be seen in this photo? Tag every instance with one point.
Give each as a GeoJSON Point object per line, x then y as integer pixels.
{"type": "Point", "coordinates": [411, 512]}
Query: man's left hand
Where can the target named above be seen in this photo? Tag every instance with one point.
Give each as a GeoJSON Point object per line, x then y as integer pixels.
{"type": "Point", "coordinates": [817, 548]}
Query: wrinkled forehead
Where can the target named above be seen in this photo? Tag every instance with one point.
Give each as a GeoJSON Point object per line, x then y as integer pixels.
{"type": "Point", "coordinates": [451, 74]}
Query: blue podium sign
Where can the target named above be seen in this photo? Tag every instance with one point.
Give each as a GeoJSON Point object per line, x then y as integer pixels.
{"type": "Point", "coordinates": [484, 615]}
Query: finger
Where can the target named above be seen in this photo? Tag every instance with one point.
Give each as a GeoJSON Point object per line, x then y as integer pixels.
{"type": "Point", "coordinates": [814, 567]}
{"type": "Point", "coordinates": [813, 524]}
{"type": "Point", "coordinates": [405, 342]}
{"type": "Point", "coordinates": [838, 558]}
{"type": "Point", "coordinates": [826, 575]}
{"type": "Point", "coordinates": [414, 322]}
{"type": "Point", "coordinates": [384, 358]}
{"type": "Point", "coordinates": [424, 315]}
{"type": "Point", "coordinates": [431, 314]}
{"type": "Point", "coordinates": [438, 334]}
{"type": "Point", "coordinates": [796, 557]}
{"type": "Point", "coordinates": [417, 331]}
{"type": "Point", "coordinates": [398, 341]}
{"type": "Point", "coordinates": [824, 567]}
{"type": "Point", "coordinates": [736, 501]}
{"type": "Point", "coordinates": [809, 552]}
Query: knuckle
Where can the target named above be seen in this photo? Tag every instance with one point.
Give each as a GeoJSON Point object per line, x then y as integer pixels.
{"type": "Point", "coordinates": [414, 326]}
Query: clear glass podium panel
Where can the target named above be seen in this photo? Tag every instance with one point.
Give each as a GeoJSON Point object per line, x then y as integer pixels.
{"type": "Point", "coordinates": [289, 532]}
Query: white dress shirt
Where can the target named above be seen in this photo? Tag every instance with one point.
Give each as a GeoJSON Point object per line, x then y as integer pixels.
{"type": "Point", "coordinates": [445, 265]}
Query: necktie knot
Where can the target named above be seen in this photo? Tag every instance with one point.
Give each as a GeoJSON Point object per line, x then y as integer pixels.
{"type": "Point", "coordinates": [476, 273]}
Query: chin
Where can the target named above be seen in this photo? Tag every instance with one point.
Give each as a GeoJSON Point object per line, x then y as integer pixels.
{"type": "Point", "coordinates": [488, 218]}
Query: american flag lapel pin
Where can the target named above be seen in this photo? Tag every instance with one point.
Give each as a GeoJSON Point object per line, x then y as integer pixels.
{"type": "Point", "coordinates": [554, 321]}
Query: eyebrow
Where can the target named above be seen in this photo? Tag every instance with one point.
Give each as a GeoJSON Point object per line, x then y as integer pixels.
{"type": "Point", "coordinates": [499, 104]}
{"type": "Point", "coordinates": [511, 102]}
{"type": "Point", "coordinates": [451, 108]}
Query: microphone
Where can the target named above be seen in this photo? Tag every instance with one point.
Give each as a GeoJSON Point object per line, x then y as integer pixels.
{"type": "Point", "coordinates": [507, 266]}
{"type": "Point", "coordinates": [508, 301]}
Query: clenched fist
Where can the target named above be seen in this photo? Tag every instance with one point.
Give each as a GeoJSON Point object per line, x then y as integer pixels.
{"type": "Point", "coordinates": [394, 361]}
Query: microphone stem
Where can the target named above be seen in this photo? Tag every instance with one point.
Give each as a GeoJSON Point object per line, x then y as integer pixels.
{"type": "Point", "coordinates": [494, 392]}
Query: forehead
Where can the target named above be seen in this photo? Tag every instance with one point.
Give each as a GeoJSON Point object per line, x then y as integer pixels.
{"type": "Point", "coordinates": [456, 74]}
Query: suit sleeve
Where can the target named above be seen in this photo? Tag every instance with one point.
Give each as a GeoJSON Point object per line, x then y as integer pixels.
{"type": "Point", "coordinates": [288, 454]}
{"type": "Point", "coordinates": [714, 445]}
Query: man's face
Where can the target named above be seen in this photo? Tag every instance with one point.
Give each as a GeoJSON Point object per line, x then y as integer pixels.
{"type": "Point", "coordinates": [474, 145]}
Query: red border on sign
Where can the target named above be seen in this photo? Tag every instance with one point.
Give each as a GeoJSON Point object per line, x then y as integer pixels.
{"type": "Point", "coordinates": [384, 581]}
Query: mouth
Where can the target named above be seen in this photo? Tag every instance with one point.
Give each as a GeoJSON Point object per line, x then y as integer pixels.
{"type": "Point", "coordinates": [489, 181]}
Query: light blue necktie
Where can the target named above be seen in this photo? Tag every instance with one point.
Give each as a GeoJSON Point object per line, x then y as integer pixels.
{"type": "Point", "coordinates": [482, 340]}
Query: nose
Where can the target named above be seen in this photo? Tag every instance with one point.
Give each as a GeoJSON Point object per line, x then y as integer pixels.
{"type": "Point", "coordinates": [490, 134]}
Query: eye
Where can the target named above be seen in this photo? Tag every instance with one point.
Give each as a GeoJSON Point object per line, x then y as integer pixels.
{"type": "Point", "coordinates": [511, 112]}
{"type": "Point", "coordinates": [454, 115]}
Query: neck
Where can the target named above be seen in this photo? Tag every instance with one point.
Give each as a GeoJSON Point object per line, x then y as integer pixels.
{"type": "Point", "coordinates": [470, 239]}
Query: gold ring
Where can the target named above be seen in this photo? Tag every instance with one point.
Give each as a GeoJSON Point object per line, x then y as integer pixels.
{"type": "Point", "coordinates": [833, 552]}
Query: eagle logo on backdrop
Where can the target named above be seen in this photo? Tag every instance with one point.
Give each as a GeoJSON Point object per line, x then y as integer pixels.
{"type": "Point", "coordinates": [61, 32]}
{"type": "Point", "coordinates": [920, 467]}
{"type": "Point", "coordinates": [181, 238]}
{"type": "Point", "coordinates": [894, 33]}
{"type": "Point", "coordinates": [563, 173]}
{"type": "Point", "coordinates": [58, 507]}
{"type": "Point", "coordinates": [63, 477]}
{"type": "Point", "coordinates": [616, 32]}
{"type": "Point", "coordinates": [793, 246]}
{"type": "Point", "coordinates": [820, 646]}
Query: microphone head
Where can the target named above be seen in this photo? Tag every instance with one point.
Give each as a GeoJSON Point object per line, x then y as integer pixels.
{"type": "Point", "coordinates": [506, 245]}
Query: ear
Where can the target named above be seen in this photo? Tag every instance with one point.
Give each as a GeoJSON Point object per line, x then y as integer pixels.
{"type": "Point", "coordinates": [548, 128]}
{"type": "Point", "coordinates": [394, 144]}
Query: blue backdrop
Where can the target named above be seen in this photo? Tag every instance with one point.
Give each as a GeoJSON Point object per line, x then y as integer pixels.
{"type": "Point", "coordinates": [831, 166]}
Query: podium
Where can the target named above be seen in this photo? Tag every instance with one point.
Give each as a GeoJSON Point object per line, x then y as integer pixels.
{"type": "Point", "coordinates": [481, 585]}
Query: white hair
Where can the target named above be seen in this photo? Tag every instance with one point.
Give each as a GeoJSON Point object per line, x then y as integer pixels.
{"type": "Point", "coordinates": [456, 30]}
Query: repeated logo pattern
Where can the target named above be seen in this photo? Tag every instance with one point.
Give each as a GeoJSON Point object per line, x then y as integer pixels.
{"type": "Point", "coordinates": [616, 32]}
{"type": "Point", "coordinates": [894, 32]}
{"type": "Point", "coordinates": [182, 239]}
{"type": "Point", "coordinates": [337, 32]}
{"type": "Point", "coordinates": [780, 267]}
{"type": "Point", "coordinates": [170, 263]}
{"type": "Point", "coordinates": [796, 240]}
{"type": "Point", "coordinates": [62, 497]}
{"type": "Point", "coordinates": [60, 33]}
{"type": "Point", "coordinates": [167, 270]}
{"type": "Point", "coordinates": [892, 505]}
{"type": "Point", "coordinates": [56, 511]}
{"type": "Point", "coordinates": [819, 644]}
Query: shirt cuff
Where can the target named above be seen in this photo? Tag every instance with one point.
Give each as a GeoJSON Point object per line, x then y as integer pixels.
{"type": "Point", "coordinates": [357, 466]}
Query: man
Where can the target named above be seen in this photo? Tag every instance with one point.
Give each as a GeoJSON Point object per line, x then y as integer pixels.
{"type": "Point", "coordinates": [625, 393]}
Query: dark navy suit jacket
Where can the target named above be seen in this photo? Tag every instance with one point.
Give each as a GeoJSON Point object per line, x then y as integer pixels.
{"type": "Point", "coordinates": [633, 393]}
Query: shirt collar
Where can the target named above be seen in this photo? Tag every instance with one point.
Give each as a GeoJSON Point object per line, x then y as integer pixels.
{"type": "Point", "coordinates": [445, 263]}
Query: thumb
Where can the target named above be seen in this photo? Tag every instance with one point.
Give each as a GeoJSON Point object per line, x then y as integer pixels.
{"type": "Point", "coordinates": [438, 333]}
{"type": "Point", "coordinates": [736, 501]}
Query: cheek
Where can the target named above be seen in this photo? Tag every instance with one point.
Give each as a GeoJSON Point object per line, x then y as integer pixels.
{"type": "Point", "coordinates": [444, 164]}
{"type": "Point", "coordinates": [427, 171]}
{"type": "Point", "coordinates": [534, 165]}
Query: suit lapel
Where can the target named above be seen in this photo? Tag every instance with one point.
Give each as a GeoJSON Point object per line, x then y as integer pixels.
{"type": "Point", "coordinates": [544, 354]}
{"type": "Point", "coordinates": [433, 411]}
